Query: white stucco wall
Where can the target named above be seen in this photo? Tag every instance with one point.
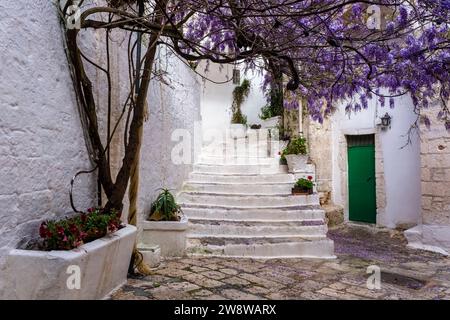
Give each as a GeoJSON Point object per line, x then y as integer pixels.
{"type": "Point", "coordinates": [400, 163]}
{"type": "Point", "coordinates": [218, 98]}
{"type": "Point", "coordinates": [171, 107]}
{"type": "Point", "coordinates": [41, 142]}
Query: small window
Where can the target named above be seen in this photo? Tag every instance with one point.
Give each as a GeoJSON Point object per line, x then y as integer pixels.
{"type": "Point", "coordinates": [361, 140]}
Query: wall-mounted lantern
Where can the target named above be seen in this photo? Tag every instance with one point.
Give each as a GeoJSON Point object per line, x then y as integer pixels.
{"type": "Point", "coordinates": [386, 121]}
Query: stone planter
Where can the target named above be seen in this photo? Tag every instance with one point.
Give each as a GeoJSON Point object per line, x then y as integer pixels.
{"type": "Point", "coordinates": [170, 236]}
{"type": "Point", "coordinates": [238, 131]}
{"type": "Point", "coordinates": [297, 163]}
{"type": "Point", "coordinates": [271, 122]}
{"type": "Point", "coordinates": [102, 266]}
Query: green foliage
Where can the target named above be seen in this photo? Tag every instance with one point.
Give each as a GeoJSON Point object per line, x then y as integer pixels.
{"type": "Point", "coordinates": [67, 234]}
{"type": "Point", "coordinates": [239, 118]}
{"type": "Point", "coordinates": [305, 184]}
{"type": "Point", "coordinates": [240, 93]}
{"type": "Point", "coordinates": [266, 113]}
{"type": "Point", "coordinates": [275, 108]}
{"type": "Point", "coordinates": [165, 208]}
{"type": "Point", "coordinates": [295, 146]}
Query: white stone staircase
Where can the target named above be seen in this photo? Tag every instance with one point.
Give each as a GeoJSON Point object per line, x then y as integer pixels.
{"type": "Point", "coordinates": [239, 204]}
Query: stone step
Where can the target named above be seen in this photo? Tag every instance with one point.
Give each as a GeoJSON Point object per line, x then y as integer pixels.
{"type": "Point", "coordinates": [241, 188]}
{"type": "Point", "coordinates": [242, 178]}
{"type": "Point", "coordinates": [247, 201]}
{"type": "Point", "coordinates": [262, 247]}
{"type": "Point", "coordinates": [238, 169]}
{"type": "Point", "coordinates": [257, 214]}
{"type": "Point", "coordinates": [212, 160]}
{"type": "Point", "coordinates": [223, 228]}
{"type": "Point", "coordinates": [261, 153]}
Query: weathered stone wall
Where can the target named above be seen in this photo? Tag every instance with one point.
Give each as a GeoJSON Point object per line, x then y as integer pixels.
{"type": "Point", "coordinates": [41, 142]}
{"type": "Point", "coordinates": [435, 159]}
{"type": "Point", "coordinates": [321, 152]}
{"type": "Point", "coordinates": [433, 233]}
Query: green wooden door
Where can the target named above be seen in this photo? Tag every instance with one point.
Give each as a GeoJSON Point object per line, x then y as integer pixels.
{"type": "Point", "coordinates": [361, 183]}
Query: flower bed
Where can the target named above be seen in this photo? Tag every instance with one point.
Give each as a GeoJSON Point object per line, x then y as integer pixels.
{"type": "Point", "coordinates": [83, 257]}
{"type": "Point", "coordinates": [72, 232]}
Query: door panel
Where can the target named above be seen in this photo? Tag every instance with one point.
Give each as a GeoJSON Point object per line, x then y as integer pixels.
{"type": "Point", "coordinates": [361, 183]}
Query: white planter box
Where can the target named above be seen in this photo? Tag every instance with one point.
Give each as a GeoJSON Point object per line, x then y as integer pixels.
{"type": "Point", "coordinates": [170, 236]}
{"type": "Point", "coordinates": [271, 122]}
{"type": "Point", "coordinates": [238, 131]}
{"type": "Point", "coordinates": [45, 275]}
{"type": "Point", "coordinates": [297, 163]}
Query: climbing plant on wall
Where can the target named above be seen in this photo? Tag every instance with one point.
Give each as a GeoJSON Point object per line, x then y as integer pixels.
{"type": "Point", "coordinates": [240, 93]}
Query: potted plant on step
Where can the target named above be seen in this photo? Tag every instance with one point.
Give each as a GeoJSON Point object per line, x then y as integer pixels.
{"type": "Point", "coordinates": [89, 252]}
{"type": "Point", "coordinates": [303, 186]}
{"type": "Point", "coordinates": [166, 226]}
{"type": "Point", "coordinates": [295, 155]}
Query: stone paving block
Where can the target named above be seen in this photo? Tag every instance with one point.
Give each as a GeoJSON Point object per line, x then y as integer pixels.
{"type": "Point", "coordinates": [202, 281]}
{"type": "Point", "coordinates": [236, 281]}
{"type": "Point", "coordinates": [257, 290]}
{"type": "Point", "coordinates": [194, 261]}
{"type": "Point", "coordinates": [274, 276]}
{"type": "Point", "coordinates": [172, 272]}
{"type": "Point", "coordinates": [229, 271]}
{"type": "Point", "coordinates": [338, 286]}
{"type": "Point", "coordinates": [310, 285]}
{"type": "Point", "coordinates": [214, 275]}
{"type": "Point", "coordinates": [262, 282]}
{"type": "Point", "coordinates": [373, 294]}
{"type": "Point", "coordinates": [202, 293]}
{"type": "Point", "coordinates": [182, 286]}
{"type": "Point", "coordinates": [212, 266]}
{"type": "Point", "coordinates": [339, 294]}
{"type": "Point", "coordinates": [176, 265]}
{"type": "Point", "coordinates": [198, 269]}
{"type": "Point", "coordinates": [234, 294]}
{"type": "Point", "coordinates": [314, 296]}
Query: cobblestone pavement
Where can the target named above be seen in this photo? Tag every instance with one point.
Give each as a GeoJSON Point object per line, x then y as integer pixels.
{"type": "Point", "coordinates": [405, 273]}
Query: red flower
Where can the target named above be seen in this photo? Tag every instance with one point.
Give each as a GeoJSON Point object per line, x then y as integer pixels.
{"type": "Point", "coordinates": [310, 178]}
{"type": "Point", "coordinates": [43, 230]}
{"type": "Point", "coordinates": [60, 230]}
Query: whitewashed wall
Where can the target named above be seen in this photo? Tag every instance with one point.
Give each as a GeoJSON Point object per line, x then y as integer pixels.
{"type": "Point", "coordinates": [218, 98]}
{"type": "Point", "coordinates": [41, 142]}
{"type": "Point", "coordinates": [174, 121]}
{"type": "Point", "coordinates": [398, 163]}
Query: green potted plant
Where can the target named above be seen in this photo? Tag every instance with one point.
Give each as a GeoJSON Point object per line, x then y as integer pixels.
{"type": "Point", "coordinates": [166, 226]}
{"type": "Point", "coordinates": [238, 119]}
{"type": "Point", "coordinates": [295, 155]}
{"type": "Point", "coordinates": [303, 186]}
